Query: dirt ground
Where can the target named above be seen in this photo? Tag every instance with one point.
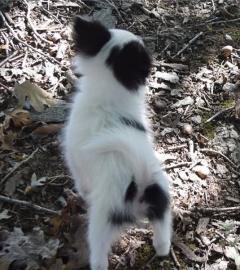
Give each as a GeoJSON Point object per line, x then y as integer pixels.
{"type": "Point", "coordinates": [194, 106]}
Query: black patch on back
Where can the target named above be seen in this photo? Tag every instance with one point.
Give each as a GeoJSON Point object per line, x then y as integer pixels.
{"type": "Point", "coordinates": [118, 218]}
{"type": "Point", "coordinates": [131, 64]}
{"type": "Point", "coordinates": [89, 37]}
{"type": "Point", "coordinates": [132, 123]}
{"type": "Point", "coordinates": [131, 192]}
{"type": "Point", "coordinates": [157, 199]}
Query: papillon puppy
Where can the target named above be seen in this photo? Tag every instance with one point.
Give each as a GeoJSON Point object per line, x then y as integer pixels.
{"type": "Point", "coordinates": [107, 141]}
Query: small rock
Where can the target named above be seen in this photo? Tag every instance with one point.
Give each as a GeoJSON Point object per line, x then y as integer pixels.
{"type": "Point", "coordinates": [176, 92]}
{"type": "Point", "coordinates": [184, 102]}
{"type": "Point", "coordinates": [177, 182]}
{"type": "Point", "coordinates": [229, 87]}
{"type": "Point", "coordinates": [187, 129]}
{"type": "Point", "coordinates": [200, 102]}
{"type": "Point", "coordinates": [194, 178]}
{"type": "Point", "coordinates": [227, 51]}
{"type": "Point", "coordinates": [206, 241]}
{"type": "Point", "coordinates": [202, 225]}
{"type": "Point", "coordinates": [201, 171]}
{"type": "Point", "coordinates": [228, 37]}
{"type": "Point", "coordinates": [171, 77]}
{"type": "Point", "coordinates": [183, 175]}
{"type": "Point", "coordinates": [160, 104]}
{"type": "Point", "coordinates": [197, 119]}
{"type": "Point", "coordinates": [217, 248]}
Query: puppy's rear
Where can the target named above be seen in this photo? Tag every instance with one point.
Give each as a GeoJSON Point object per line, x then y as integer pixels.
{"type": "Point", "coordinates": [108, 145]}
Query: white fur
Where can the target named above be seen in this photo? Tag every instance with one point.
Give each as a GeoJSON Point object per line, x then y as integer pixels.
{"type": "Point", "coordinates": [104, 155]}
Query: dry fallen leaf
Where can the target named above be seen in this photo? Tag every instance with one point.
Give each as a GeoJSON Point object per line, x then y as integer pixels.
{"type": "Point", "coordinates": [4, 214]}
{"type": "Point", "coordinates": [202, 171]}
{"type": "Point", "coordinates": [6, 138]}
{"type": "Point", "coordinates": [20, 118]}
{"type": "Point", "coordinates": [36, 96]}
{"type": "Point", "coordinates": [45, 130]}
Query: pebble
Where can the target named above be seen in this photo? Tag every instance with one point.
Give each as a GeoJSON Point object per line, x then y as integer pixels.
{"type": "Point", "coordinates": [202, 171]}
{"type": "Point", "coordinates": [187, 129]}
{"type": "Point", "coordinates": [183, 175]}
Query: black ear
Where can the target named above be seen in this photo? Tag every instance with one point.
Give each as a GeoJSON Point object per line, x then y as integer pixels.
{"type": "Point", "coordinates": [131, 65]}
{"type": "Point", "coordinates": [89, 37]}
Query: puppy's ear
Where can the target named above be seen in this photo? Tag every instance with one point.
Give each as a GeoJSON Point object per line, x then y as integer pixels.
{"type": "Point", "coordinates": [131, 64]}
{"type": "Point", "coordinates": [89, 37]}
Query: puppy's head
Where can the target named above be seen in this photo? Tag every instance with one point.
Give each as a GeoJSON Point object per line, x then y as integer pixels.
{"type": "Point", "coordinates": [117, 50]}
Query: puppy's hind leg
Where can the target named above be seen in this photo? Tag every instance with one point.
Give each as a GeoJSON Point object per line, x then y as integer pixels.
{"type": "Point", "coordinates": [158, 212]}
{"type": "Point", "coordinates": [162, 232]}
{"type": "Point", "coordinates": [100, 237]}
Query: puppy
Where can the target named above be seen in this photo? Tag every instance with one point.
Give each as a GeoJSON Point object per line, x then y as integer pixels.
{"type": "Point", "coordinates": [107, 143]}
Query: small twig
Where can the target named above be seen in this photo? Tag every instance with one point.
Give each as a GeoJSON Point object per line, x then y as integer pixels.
{"type": "Point", "coordinates": [187, 45]}
{"type": "Point", "coordinates": [111, 3]}
{"type": "Point", "coordinates": [213, 5]}
{"type": "Point", "coordinates": [149, 262]}
{"type": "Point", "coordinates": [28, 204]}
{"type": "Point", "coordinates": [210, 210]}
{"type": "Point", "coordinates": [181, 164]}
{"type": "Point", "coordinates": [4, 86]}
{"type": "Point", "coordinates": [24, 59]}
{"type": "Point", "coordinates": [214, 152]}
{"type": "Point", "coordinates": [18, 165]}
{"type": "Point", "coordinates": [31, 24]}
{"type": "Point", "coordinates": [226, 21]}
{"type": "Point", "coordinates": [25, 43]}
{"type": "Point", "coordinates": [8, 58]}
{"type": "Point", "coordinates": [177, 147]}
{"type": "Point", "coordinates": [218, 113]}
{"type": "Point", "coordinates": [48, 12]}
{"type": "Point", "coordinates": [175, 258]}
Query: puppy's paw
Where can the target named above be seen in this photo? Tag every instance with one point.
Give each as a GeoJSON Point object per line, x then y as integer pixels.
{"type": "Point", "coordinates": [163, 248]}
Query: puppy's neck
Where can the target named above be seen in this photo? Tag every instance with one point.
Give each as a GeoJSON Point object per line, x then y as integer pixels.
{"type": "Point", "coordinates": [100, 88]}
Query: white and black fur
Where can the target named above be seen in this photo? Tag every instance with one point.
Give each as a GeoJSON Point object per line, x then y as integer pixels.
{"type": "Point", "coordinates": [107, 143]}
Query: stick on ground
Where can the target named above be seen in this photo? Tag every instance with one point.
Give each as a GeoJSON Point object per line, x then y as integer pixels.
{"type": "Point", "coordinates": [28, 204]}
{"type": "Point", "coordinates": [187, 45]}
{"type": "Point", "coordinates": [17, 166]}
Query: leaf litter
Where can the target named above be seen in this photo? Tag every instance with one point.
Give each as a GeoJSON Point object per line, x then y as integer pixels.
{"type": "Point", "coordinates": [194, 108]}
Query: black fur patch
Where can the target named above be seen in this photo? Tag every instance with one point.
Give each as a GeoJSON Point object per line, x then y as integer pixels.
{"type": "Point", "coordinates": [131, 192]}
{"type": "Point", "coordinates": [118, 218]}
{"type": "Point", "coordinates": [132, 123]}
{"type": "Point", "coordinates": [89, 37]}
{"type": "Point", "coordinates": [157, 200]}
{"type": "Point", "coordinates": [131, 65]}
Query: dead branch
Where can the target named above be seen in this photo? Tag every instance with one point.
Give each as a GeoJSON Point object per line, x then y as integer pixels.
{"type": "Point", "coordinates": [187, 45]}
{"type": "Point", "coordinates": [181, 164]}
{"type": "Point", "coordinates": [25, 43]}
{"type": "Point", "coordinates": [210, 210]}
{"type": "Point", "coordinates": [29, 205]}
{"type": "Point", "coordinates": [111, 3]}
{"type": "Point", "coordinates": [175, 258]}
{"type": "Point", "coordinates": [18, 165]}
{"type": "Point", "coordinates": [218, 113]}
{"type": "Point", "coordinates": [177, 147]}
{"type": "Point", "coordinates": [32, 26]}
{"type": "Point", "coordinates": [214, 152]}
{"type": "Point", "coordinates": [8, 58]}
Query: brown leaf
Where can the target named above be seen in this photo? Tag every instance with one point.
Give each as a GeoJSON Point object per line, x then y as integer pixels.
{"type": "Point", "coordinates": [36, 95]}
{"type": "Point", "coordinates": [46, 130]}
{"type": "Point", "coordinates": [20, 118]}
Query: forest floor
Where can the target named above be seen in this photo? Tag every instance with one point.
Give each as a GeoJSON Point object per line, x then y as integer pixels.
{"type": "Point", "coordinates": [194, 106]}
